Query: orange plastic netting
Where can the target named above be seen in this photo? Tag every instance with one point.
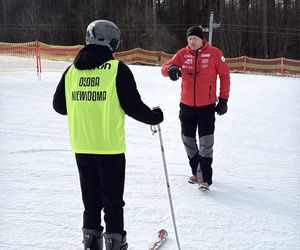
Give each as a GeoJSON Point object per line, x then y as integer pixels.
{"type": "Point", "coordinates": [41, 57]}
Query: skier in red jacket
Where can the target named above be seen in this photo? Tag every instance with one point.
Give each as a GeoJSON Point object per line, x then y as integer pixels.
{"type": "Point", "coordinates": [199, 64]}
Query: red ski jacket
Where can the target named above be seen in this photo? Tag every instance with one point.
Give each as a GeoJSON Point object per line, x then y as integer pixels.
{"type": "Point", "coordinates": [199, 70]}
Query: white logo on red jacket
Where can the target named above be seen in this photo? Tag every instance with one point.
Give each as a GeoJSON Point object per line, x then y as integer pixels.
{"type": "Point", "coordinates": [188, 61]}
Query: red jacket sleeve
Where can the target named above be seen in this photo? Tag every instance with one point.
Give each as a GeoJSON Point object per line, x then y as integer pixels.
{"type": "Point", "coordinates": [174, 61]}
{"type": "Point", "coordinates": [224, 76]}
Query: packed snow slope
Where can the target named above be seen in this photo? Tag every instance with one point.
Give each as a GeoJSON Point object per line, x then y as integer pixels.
{"type": "Point", "coordinates": [254, 202]}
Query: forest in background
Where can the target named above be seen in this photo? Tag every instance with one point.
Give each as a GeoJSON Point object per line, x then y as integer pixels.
{"type": "Point", "coordinates": [255, 28]}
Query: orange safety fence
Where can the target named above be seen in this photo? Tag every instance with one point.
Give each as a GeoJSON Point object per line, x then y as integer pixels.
{"type": "Point", "coordinates": [41, 57]}
{"type": "Point", "coordinates": [18, 56]}
{"type": "Point", "coordinates": [139, 56]}
{"type": "Point", "coordinates": [278, 66]}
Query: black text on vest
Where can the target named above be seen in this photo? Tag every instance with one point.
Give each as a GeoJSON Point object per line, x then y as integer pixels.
{"type": "Point", "coordinates": [89, 81]}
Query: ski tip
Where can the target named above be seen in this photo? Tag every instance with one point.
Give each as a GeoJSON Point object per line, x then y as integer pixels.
{"type": "Point", "coordinates": [157, 242]}
{"type": "Point", "coordinates": [162, 233]}
{"type": "Point", "coordinates": [162, 230]}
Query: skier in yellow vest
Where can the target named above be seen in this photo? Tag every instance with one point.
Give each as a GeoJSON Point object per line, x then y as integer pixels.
{"type": "Point", "coordinates": [96, 92]}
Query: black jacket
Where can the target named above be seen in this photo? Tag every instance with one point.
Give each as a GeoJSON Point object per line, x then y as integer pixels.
{"type": "Point", "coordinates": [92, 56]}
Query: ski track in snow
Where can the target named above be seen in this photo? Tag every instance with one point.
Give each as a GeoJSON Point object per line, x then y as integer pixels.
{"type": "Point", "coordinates": [253, 203]}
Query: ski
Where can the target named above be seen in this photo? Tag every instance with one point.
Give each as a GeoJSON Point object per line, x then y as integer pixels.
{"type": "Point", "coordinates": [159, 240]}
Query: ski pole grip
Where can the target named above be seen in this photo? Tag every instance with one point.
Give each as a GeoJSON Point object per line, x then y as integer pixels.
{"type": "Point", "coordinates": [152, 127]}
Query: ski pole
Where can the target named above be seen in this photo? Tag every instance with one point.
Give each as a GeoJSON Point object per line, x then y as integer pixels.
{"type": "Point", "coordinates": [154, 130]}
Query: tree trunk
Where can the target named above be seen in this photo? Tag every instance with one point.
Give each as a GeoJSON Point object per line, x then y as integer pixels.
{"type": "Point", "coordinates": [265, 28]}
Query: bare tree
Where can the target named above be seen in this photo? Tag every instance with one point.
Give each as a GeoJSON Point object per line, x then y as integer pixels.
{"type": "Point", "coordinates": [265, 28]}
{"type": "Point", "coordinates": [256, 28]}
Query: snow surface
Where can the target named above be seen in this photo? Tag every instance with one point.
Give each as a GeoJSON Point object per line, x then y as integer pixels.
{"type": "Point", "coordinates": [254, 202]}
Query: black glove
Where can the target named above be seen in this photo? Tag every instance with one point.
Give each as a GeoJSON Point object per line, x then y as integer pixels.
{"type": "Point", "coordinates": [221, 107]}
{"type": "Point", "coordinates": [159, 116]}
{"type": "Point", "coordinates": [174, 72]}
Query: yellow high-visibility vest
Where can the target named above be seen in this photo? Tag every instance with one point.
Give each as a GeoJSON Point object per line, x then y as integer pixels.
{"type": "Point", "coordinates": [96, 119]}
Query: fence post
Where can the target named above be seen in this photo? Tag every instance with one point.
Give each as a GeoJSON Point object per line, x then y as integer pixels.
{"type": "Point", "coordinates": [281, 66]}
{"type": "Point", "coordinates": [38, 61]}
{"type": "Point", "coordinates": [245, 64]}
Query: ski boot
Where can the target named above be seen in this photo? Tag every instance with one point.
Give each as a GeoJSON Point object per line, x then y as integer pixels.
{"type": "Point", "coordinates": [115, 241]}
{"type": "Point", "coordinates": [203, 185]}
{"type": "Point", "coordinates": [193, 179]}
{"type": "Point", "coordinates": [92, 239]}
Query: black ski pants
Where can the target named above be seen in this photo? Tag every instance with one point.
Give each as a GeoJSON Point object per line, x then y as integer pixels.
{"type": "Point", "coordinates": [102, 180]}
{"type": "Point", "coordinates": [203, 120]}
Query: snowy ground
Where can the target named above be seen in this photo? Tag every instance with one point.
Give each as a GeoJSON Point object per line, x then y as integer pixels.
{"type": "Point", "coordinates": [254, 202]}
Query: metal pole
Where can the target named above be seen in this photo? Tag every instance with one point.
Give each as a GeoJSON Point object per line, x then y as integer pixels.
{"type": "Point", "coordinates": [211, 27]}
{"type": "Point", "coordinates": [211, 20]}
{"type": "Point", "coordinates": [167, 181]}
